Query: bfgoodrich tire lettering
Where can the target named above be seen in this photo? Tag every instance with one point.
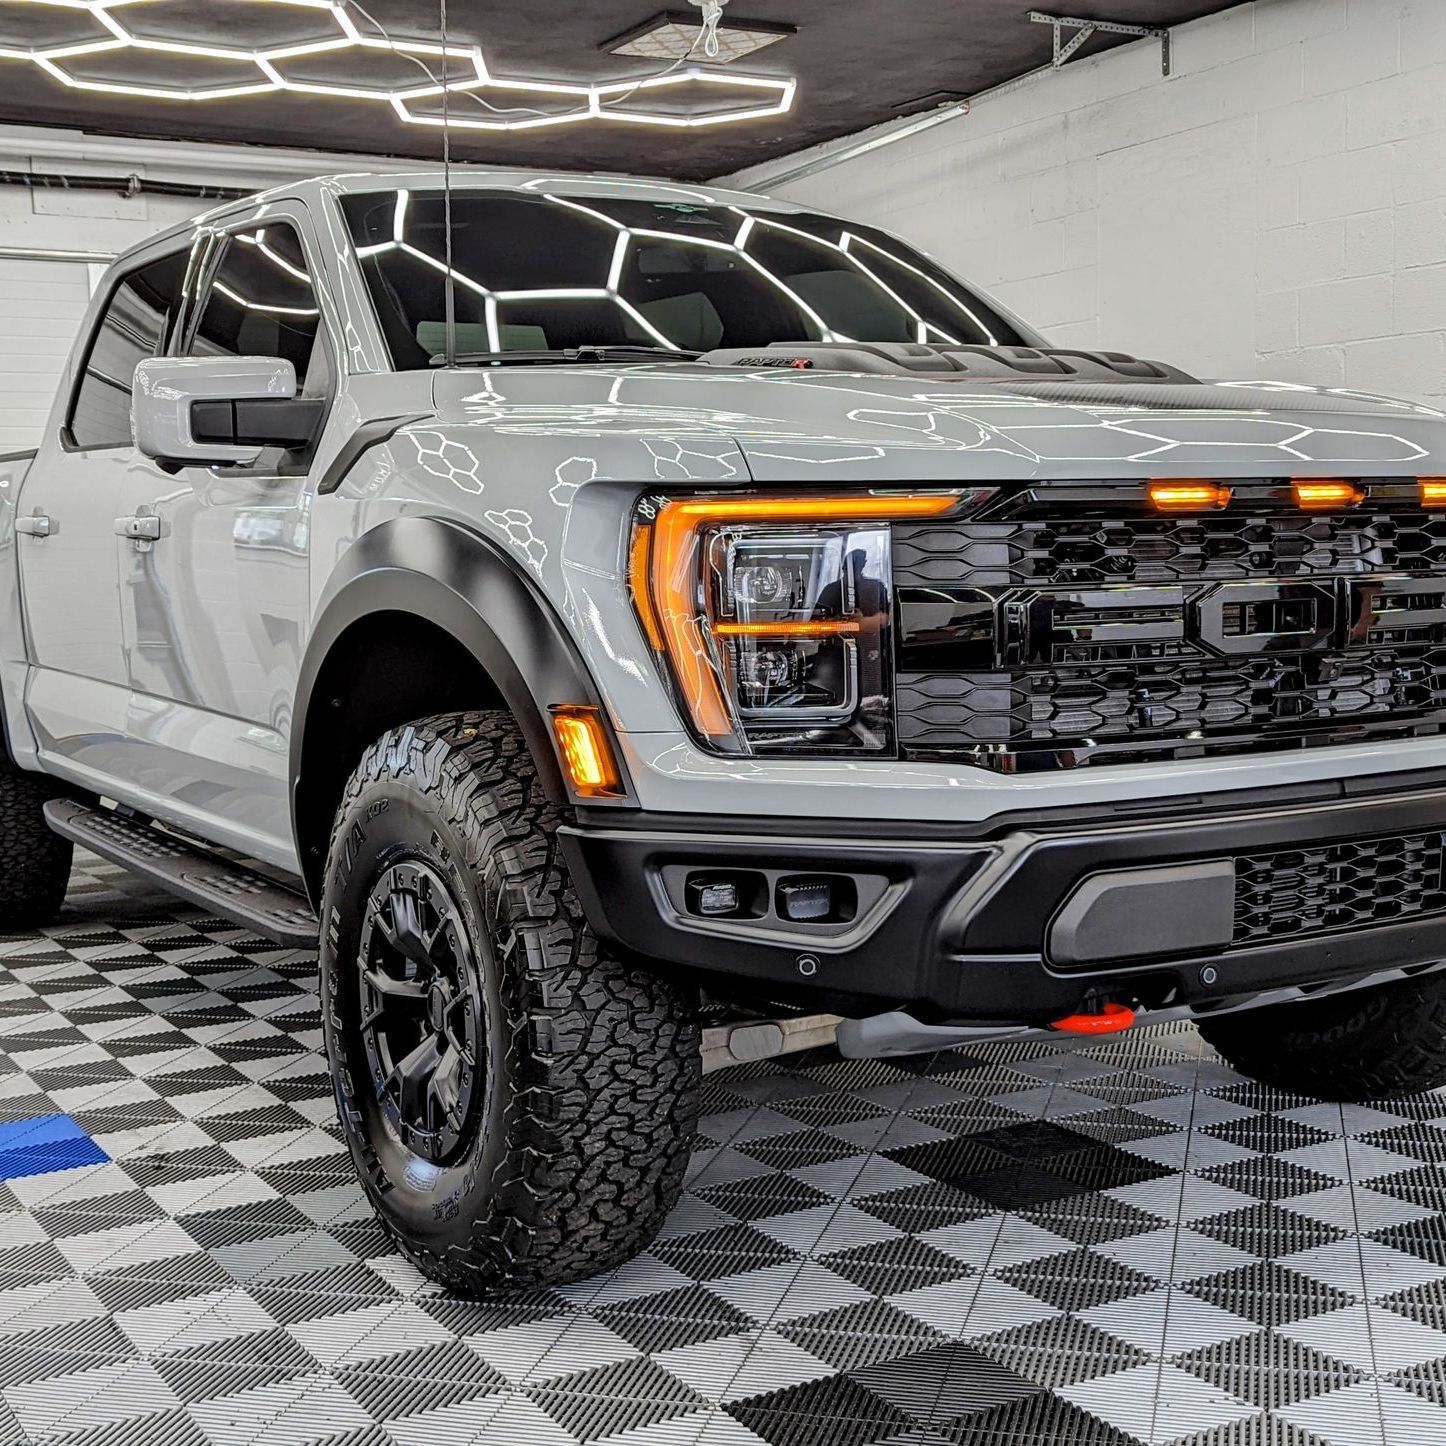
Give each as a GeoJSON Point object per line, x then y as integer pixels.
{"type": "Point", "coordinates": [583, 1071]}
{"type": "Point", "coordinates": [1360, 1045]}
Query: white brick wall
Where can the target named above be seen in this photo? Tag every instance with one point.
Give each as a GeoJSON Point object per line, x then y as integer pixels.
{"type": "Point", "coordinates": [1277, 208]}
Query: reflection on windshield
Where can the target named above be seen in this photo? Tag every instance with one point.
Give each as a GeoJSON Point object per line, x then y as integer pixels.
{"type": "Point", "coordinates": [532, 273]}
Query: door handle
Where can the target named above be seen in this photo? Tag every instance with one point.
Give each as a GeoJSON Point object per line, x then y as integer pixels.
{"type": "Point", "coordinates": [138, 529]}
{"type": "Point", "coordinates": [37, 525]}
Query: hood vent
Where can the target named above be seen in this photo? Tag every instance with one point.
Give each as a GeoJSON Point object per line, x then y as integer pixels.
{"type": "Point", "coordinates": [978, 363]}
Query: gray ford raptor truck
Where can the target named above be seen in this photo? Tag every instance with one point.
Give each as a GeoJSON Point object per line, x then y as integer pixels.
{"type": "Point", "coordinates": [641, 607]}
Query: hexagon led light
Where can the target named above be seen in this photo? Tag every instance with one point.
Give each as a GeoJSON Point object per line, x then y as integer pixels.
{"type": "Point", "coordinates": [139, 31]}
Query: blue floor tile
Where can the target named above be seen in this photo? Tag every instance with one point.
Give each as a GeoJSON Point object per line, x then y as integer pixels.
{"type": "Point", "coordinates": [45, 1143]}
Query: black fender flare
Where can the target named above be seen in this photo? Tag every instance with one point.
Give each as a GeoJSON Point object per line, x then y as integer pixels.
{"type": "Point", "coordinates": [463, 582]}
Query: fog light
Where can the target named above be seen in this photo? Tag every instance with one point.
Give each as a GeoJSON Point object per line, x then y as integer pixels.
{"type": "Point", "coordinates": [816, 899]}
{"type": "Point", "coordinates": [713, 898]}
{"type": "Point", "coordinates": [806, 902]}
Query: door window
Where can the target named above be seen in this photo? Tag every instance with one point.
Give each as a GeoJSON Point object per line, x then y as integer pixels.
{"type": "Point", "coordinates": [134, 325]}
{"type": "Point", "coordinates": [262, 302]}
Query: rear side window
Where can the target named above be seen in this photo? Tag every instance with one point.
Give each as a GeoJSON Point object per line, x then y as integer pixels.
{"type": "Point", "coordinates": [261, 301]}
{"type": "Point", "coordinates": [133, 326]}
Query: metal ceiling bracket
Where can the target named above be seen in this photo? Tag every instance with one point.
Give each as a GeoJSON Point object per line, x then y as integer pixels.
{"type": "Point", "coordinates": [1085, 29]}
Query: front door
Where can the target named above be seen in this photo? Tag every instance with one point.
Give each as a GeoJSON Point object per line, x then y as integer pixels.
{"type": "Point", "coordinates": [215, 608]}
{"type": "Point", "coordinates": [79, 686]}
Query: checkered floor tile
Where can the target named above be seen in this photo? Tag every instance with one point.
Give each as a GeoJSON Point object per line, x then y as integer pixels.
{"type": "Point", "coordinates": [1024, 1244]}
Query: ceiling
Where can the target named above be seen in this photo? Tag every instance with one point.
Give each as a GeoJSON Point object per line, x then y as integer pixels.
{"type": "Point", "coordinates": [858, 62]}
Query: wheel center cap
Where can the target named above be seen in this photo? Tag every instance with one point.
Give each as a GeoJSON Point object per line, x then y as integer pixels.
{"type": "Point", "coordinates": [437, 1006]}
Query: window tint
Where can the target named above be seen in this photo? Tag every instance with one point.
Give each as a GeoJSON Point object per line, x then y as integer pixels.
{"type": "Point", "coordinates": [132, 328]}
{"type": "Point", "coordinates": [540, 272]}
{"type": "Point", "coordinates": [261, 301]}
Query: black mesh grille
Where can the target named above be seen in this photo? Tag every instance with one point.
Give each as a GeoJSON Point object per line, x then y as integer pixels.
{"type": "Point", "coordinates": [1337, 886]}
{"type": "Point", "coordinates": [1171, 700]}
{"type": "Point", "coordinates": [1165, 549]}
{"type": "Point", "coordinates": [1071, 625]}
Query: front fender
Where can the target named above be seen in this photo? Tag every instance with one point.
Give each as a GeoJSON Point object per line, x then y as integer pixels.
{"type": "Point", "coordinates": [439, 570]}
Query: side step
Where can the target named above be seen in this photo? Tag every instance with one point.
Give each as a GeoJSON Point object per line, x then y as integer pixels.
{"type": "Point", "coordinates": [211, 882]}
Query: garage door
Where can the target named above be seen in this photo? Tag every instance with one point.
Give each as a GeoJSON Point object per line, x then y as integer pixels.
{"type": "Point", "coordinates": [41, 306]}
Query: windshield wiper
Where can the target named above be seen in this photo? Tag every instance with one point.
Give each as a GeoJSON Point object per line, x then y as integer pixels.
{"type": "Point", "coordinates": [568, 355]}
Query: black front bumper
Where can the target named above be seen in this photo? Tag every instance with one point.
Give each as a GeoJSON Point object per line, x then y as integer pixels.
{"type": "Point", "coordinates": [1034, 918]}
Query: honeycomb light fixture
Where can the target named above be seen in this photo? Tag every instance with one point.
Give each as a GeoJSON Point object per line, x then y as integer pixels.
{"type": "Point", "coordinates": [738, 97]}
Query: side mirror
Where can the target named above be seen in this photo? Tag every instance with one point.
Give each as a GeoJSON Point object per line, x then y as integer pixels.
{"type": "Point", "coordinates": [209, 411]}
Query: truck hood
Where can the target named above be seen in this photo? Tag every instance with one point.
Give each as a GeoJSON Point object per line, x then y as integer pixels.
{"type": "Point", "coordinates": [819, 426]}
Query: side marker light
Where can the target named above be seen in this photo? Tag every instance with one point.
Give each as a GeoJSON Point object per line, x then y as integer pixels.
{"type": "Point", "coordinates": [586, 753]}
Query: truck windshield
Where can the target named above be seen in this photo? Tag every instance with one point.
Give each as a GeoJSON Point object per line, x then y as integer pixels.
{"type": "Point", "coordinates": [536, 273]}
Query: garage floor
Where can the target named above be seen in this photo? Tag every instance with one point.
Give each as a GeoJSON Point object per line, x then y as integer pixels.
{"type": "Point", "coordinates": [1027, 1244]}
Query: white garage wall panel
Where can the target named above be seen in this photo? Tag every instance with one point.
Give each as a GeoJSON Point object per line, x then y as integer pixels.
{"type": "Point", "coordinates": [41, 305]}
{"type": "Point", "coordinates": [1276, 209]}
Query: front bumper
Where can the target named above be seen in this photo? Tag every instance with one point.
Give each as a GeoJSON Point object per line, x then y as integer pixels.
{"type": "Point", "coordinates": [1036, 918]}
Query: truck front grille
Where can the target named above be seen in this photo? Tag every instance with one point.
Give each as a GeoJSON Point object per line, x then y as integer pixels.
{"type": "Point", "coordinates": [1082, 549]}
{"type": "Point", "coordinates": [1068, 625]}
{"type": "Point", "coordinates": [1337, 886]}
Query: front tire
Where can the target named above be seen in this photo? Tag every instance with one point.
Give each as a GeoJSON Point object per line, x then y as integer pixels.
{"type": "Point", "coordinates": [1363, 1044]}
{"type": "Point", "coordinates": [519, 1104]}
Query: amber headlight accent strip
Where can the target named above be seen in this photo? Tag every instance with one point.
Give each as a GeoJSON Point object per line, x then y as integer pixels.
{"type": "Point", "coordinates": [675, 582]}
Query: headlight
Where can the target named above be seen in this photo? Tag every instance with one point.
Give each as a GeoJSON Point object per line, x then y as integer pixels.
{"type": "Point", "coordinates": [774, 615]}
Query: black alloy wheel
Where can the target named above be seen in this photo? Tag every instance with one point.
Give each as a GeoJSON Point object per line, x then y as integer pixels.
{"type": "Point", "coordinates": [421, 1010]}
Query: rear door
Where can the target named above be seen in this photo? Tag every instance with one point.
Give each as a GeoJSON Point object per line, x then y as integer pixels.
{"type": "Point", "coordinates": [79, 687]}
{"type": "Point", "coordinates": [214, 610]}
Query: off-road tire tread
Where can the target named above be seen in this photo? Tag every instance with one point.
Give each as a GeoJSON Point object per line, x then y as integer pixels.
{"type": "Point", "coordinates": [37, 860]}
{"type": "Point", "coordinates": [607, 1054]}
{"type": "Point", "coordinates": [1381, 1042]}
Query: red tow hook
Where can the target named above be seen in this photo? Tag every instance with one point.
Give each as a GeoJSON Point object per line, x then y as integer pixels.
{"type": "Point", "coordinates": [1112, 1019]}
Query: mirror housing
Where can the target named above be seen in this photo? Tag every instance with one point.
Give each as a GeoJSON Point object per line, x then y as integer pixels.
{"type": "Point", "coordinates": [219, 411]}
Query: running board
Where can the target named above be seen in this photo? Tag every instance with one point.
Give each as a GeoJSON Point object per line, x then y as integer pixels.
{"type": "Point", "coordinates": [216, 884]}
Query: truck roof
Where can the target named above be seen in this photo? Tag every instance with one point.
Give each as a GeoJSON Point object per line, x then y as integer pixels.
{"type": "Point", "coordinates": [484, 178]}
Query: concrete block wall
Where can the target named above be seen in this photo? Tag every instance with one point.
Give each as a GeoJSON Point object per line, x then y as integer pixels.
{"type": "Point", "coordinates": [1276, 209]}
{"type": "Point", "coordinates": [60, 220]}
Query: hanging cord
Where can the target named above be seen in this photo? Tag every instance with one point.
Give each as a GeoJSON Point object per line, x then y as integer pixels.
{"type": "Point", "coordinates": [705, 39]}
{"type": "Point", "coordinates": [712, 19]}
{"type": "Point", "coordinates": [450, 289]}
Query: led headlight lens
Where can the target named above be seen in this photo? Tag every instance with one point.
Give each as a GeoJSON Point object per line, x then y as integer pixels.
{"type": "Point", "coordinates": [799, 619]}
{"type": "Point", "coordinates": [774, 615]}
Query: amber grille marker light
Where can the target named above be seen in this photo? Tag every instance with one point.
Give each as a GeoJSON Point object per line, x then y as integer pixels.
{"type": "Point", "coordinates": [1328, 494]}
{"type": "Point", "coordinates": [1189, 496]}
{"type": "Point", "coordinates": [670, 586]}
{"type": "Point", "coordinates": [586, 752]}
{"type": "Point", "coordinates": [1433, 491]}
